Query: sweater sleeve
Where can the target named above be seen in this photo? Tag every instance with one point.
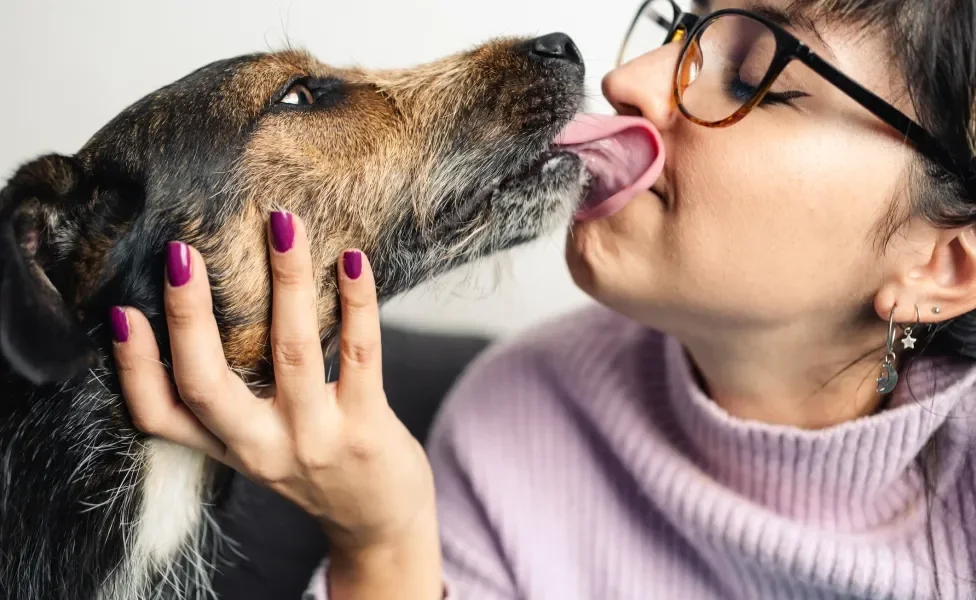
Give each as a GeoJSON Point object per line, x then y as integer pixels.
{"type": "Point", "coordinates": [473, 564]}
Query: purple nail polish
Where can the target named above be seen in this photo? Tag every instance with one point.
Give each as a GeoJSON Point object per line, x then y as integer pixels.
{"type": "Point", "coordinates": [178, 263]}
{"type": "Point", "coordinates": [120, 324]}
{"type": "Point", "coordinates": [282, 231]}
{"type": "Point", "coordinates": [352, 263]}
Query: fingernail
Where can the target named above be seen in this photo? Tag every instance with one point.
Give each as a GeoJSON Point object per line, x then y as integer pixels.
{"type": "Point", "coordinates": [178, 263]}
{"type": "Point", "coordinates": [352, 263]}
{"type": "Point", "coordinates": [120, 324]}
{"type": "Point", "coordinates": [282, 231]}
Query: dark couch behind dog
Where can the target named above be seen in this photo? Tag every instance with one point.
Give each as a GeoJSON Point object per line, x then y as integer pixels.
{"type": "Point", "coordinates": [424, 169]}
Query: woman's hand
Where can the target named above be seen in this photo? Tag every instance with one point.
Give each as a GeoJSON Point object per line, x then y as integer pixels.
{"type": "Point", "coordinates": [336, 449]}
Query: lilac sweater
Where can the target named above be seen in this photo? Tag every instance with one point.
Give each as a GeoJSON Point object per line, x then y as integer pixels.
{"type": "Point", "coordinates": [583, 462]}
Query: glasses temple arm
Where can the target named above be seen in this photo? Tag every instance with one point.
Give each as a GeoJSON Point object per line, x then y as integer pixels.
{"type": "Point", "coordinates": [915, 133]}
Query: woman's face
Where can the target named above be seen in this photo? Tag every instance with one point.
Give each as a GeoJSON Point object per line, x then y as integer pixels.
{"type": "Point", "coordinates": [779, 219]}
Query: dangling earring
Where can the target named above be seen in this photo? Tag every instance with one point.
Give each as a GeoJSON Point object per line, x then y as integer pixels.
{"type": "Point", "coordinates": [889, 376]}
{"type": "Point", "coordinates": [908, 341]}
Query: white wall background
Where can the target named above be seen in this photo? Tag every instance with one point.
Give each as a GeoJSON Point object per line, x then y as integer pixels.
{"type": "Point", "coordinates": [68, 66]}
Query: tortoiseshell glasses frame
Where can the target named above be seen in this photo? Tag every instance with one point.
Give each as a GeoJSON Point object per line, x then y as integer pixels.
{"type": "Point", "coordinates": [688, 29]}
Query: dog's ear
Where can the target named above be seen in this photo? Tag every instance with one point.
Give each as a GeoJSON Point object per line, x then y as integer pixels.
{"type": "Point", "coordinates": [40, 337]}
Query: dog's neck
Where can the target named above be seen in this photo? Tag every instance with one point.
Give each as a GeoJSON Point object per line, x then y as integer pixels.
{"type": "Point", "coordinates": [98, 510]}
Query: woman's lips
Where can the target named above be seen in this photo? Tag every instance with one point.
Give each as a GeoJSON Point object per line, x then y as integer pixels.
{"type": "Point", "coordinates": [624, 156]}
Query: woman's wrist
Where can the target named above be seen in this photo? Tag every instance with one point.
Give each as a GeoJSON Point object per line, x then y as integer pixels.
{"type": "Point", "coordinates": [406, 567]}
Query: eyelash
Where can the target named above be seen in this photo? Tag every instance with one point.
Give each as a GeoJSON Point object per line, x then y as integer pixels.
{"type": "Point", "coordinates": [741, 89]}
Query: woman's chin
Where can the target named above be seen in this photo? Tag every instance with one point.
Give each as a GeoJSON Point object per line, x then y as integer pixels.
{"type": "Point", "coordinates": [587, 257]}
{"type": "Point", "coordinates": [579, 269]}
{"type": "Point", "coordinates": [618, 260]}
{"type": "Point", "coordinates": [595, 248]}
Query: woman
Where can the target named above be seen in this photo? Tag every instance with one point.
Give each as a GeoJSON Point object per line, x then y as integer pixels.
{"type": "Point", "coordinates": [728, 423]}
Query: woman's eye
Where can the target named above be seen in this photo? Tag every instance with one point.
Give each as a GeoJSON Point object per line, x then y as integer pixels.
{"type": "Point", "coordinates": [298, 95]}
{"type": "Point", "coordinates": [742, 91]}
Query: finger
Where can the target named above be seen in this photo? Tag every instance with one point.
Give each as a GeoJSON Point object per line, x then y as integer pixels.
{"type": "Point", "coordinates": [215, 395]}
{"type": "Point", "coordinates": [296, 345]}
{"type": "Point", "coordinates": [360, 365]}
{"type": "Point", "coordinates": [152, 400]}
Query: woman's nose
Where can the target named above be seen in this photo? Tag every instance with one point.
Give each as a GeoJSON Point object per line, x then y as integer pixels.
{"type": "Point", "coordinates": [643, 86]}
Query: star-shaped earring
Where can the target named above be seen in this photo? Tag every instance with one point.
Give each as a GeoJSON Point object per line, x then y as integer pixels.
{"type": "Point", "coordinates": [908, 341]}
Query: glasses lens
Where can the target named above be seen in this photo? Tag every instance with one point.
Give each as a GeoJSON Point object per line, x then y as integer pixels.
{"type": "Point", "coordinates": [649, 31]}
{"type": "Point", "coordinates": [724, 68]}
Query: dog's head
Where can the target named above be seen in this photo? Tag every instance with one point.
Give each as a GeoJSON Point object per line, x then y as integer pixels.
{"type": "Point", "coordinates": [424, 169]}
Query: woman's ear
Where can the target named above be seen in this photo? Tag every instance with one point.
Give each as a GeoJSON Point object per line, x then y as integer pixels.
{"type": "Point", "coordinates": [942, 284]}
{"type": "Point", "coordinates": [41, 339]}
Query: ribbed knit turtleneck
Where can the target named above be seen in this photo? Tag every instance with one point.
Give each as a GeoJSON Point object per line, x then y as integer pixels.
{"type": "Point", "coordinates": [583, 461]}
{"type": "Point", "coordinates": [854, 476]}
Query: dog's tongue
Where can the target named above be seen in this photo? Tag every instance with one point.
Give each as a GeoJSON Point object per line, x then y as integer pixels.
{"type": "Point", "coordinates": [624, 156]}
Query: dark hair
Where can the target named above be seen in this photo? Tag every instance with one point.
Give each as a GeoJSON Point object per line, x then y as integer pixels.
{"type": "Point", "coordinates": [933, 43]}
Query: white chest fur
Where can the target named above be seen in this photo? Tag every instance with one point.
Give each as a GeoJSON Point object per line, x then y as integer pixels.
{"type": "Point", "coordinates": [166, 539]}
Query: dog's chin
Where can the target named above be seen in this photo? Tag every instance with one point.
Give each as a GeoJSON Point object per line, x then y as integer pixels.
{"type": "Point", "coordinates": [545, 194]}
{"type": "Point", "coordinates": [531, 200]}
{"type": "Point", "coordinates": [553, 169]}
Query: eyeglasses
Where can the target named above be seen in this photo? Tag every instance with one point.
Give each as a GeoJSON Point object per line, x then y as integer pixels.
{"type": "Point", "coordinates": [730, 60]}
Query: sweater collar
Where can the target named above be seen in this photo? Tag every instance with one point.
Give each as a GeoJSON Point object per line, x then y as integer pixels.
{"type": "Point", "coordinates": [851, 476]}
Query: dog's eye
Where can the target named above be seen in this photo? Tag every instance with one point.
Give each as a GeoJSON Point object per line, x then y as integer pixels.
{"type": "Point", "coordinates": [298, 95]}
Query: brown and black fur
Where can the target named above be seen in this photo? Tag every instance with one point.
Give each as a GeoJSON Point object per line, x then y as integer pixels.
{"type": "Point", "coordinates": [424, 169]}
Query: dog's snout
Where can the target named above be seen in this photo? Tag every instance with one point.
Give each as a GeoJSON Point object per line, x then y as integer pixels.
{"type": "Point", "coordinates": [555, 46]}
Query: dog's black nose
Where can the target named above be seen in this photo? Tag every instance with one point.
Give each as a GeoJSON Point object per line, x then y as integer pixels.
{"type": "Point", "coordinates": [557, 46]}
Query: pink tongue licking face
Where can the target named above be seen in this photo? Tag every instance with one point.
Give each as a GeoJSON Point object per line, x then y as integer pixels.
{"type": "Point", "coordinates": [624, 156]}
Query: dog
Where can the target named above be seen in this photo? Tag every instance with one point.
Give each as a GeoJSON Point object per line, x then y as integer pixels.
{"type": "Point", "coordinates": [425, 169]}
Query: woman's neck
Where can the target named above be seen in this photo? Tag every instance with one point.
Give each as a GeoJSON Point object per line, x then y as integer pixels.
{"type": "Point", "coordinates": [791, 376]}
